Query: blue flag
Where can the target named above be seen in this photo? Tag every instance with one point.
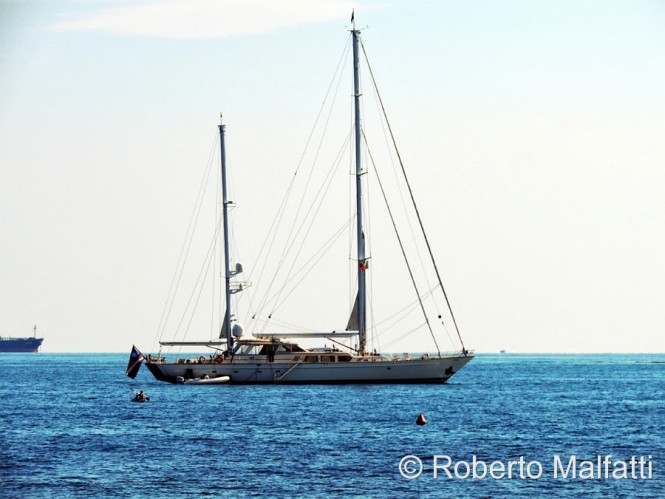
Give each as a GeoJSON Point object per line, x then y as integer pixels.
{"type": "Point", "coordinates": [135, 359]}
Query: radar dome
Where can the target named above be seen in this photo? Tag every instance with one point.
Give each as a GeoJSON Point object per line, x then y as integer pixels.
{"type": "Point", "coordinates": [237, 330]}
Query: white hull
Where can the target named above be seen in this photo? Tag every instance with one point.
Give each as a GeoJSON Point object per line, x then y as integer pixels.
{"type": "Point", "coordinates": [363, 370]}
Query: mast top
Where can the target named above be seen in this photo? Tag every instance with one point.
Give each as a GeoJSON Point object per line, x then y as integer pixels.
{"type": "Point", "coordinates": [353, 22]}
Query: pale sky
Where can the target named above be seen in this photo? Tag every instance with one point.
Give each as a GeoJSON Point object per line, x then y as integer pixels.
{"type": "Point", "coordinates": [532, 132]}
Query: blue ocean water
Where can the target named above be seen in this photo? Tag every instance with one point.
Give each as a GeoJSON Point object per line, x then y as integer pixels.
{"type": "Point", "coordinates": [68, 428]}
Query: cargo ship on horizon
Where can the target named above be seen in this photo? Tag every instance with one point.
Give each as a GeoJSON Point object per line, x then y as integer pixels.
{"type": "Point", "coordinates": [20, 345]}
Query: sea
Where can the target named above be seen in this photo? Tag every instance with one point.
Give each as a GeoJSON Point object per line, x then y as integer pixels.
{"type": "Point", "coordinates": [507, 425]}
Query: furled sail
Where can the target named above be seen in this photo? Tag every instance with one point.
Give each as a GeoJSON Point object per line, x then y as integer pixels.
{"type": "Point", "coordinates": [222, 332]}
{"type": "Point", "coordinates": [354, 323]}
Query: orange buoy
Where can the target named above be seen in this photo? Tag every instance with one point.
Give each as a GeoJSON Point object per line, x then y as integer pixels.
{"type": "Point", "coordinates": [421, 421]}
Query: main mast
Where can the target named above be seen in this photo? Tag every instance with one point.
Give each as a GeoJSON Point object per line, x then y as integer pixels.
{"type": "Point", "coordinates": [362, 264]}
{"type": "Point", "coordinates": [226, 326]}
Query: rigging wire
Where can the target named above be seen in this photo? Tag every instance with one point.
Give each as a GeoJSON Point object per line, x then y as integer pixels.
{"type": "Point", "coordinates": [184, 250]}
{"type": "Point", "coordinates": [405, 335]}
{"type": "Point", "coordinates": [278, 217]}
{"type": "Point", "coordinates": [404, 313]}
{"type": "Point", "coordinates": [407, 309]}
{"type": "Point", "coordinates": [292, 327]}
{"type": "Point", "coordinates": [201, 277]}
{"type": "Point", "coordinates": [422, 228]}
{"type": "Point", "coordinates": [213, 307]}
{"type": "Point", "coordinates": [290, 242]}
{"type": "Point", "coordinates": [308, 265]}
{"type": "Point", "coordinates": [320, 196]}
{"type": "Point", "coordinates": [399, 240]}
{"type": "Point", "coordinates": [400, 190]}
{"type": "Point", "coordinates": [399, 319]}
{"type": "Point", "coordinates": [274, 231]}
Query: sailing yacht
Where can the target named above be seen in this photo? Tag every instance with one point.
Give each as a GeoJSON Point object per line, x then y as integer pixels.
{"type": "Point", "coordinates": [280, 357]}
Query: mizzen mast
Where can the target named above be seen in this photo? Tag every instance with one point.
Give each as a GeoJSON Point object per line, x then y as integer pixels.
{"type": "Point", "coordinates": [226, 326]}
